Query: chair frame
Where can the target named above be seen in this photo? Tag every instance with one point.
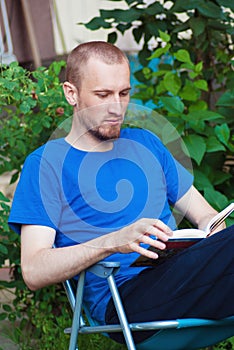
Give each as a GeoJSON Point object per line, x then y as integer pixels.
{"type": "Point", "coordinates": [107, 270]}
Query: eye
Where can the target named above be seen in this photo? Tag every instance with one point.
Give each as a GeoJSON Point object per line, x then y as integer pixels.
{"type": "Point", "coordinates": [102, 95]}
{"type": "Point", "coordinates": [124, 93]}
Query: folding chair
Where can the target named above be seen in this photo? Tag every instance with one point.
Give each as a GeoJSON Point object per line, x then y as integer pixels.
{"type": "Point", "coordinates": [173, 334]}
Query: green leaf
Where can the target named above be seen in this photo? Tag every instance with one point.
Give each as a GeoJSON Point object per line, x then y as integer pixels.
{"type": "Point", "coordinates": [190, 67]}
{"type": "Point", "coordinates": [122, 16]}
{"type": "Point", "coordinates": [37, 128]}
{"type": "Point", "coordinates": [215, 198]}
{"type": "Point", "coordinates": [3, 249]}
{"type": "Point", "coordinates": [196, 147]}
{"type": "Point", "coordinates": [201, 84]}
{"type": "Point", "coordinates": [24, 107]}
{"type": "Point", "coordinates": [213, 145]}
{"type": "Point", "coordinates": [194, 123]}
{"type": "Point", "coordinates": [4, 198]}
{"type": "Point", "coordinates": [96, 23]}
{"type": "Point", "coordinates": [3, 316]}
{"type": "Point", "coordinates": [7, 308]}
{"type": "Point", "coordinates": [227, 99]}
{"type": "Point", "coordinates": [144, 55]}
{"type": "Point", "coordinates": [151, 29]}
{"type": "Point", "coordinates": [172, 83]}
{"type": "Point", "coordinates": [112, 37]}
{"type": "Point", "coordinates": [154, 9]}
{"type": "Point", "coordinates": [10, 85]}
{"type": "Point", "coordinates": [226, 3]}
{"type": "Point", "coordinates": [164, 36]}
{"type": "Point", "coordinates": [137, 33]}
{"type": "Point", "coordinates": [14, 177]}
{"type": "Point", "coordinates": [198, 25]}
{"type": "Point", "coordinates": [172, 104]}
{"type": "Point", "coordinates": [160, 88]}
{"type": "Point", "coordinates": [219, 177]}
{"type": "Point", "coordinates": [160, 51]}
{"type": "Point", "coordinates": [204, 115]}
{"type": "Point", "coordinates": [183, 56]}
{"type": "Point", "coordinates": [123, 27]}
{"type": "Point", "coordinates": [189, 93]}
{"type": "Point", "coordinates": [198, 106]}
{"type": "Point", "coordinates": [201, 180]}
{"type": "Point", "coordinates": [209, 9]}
{"type": "Point", "coordinates": [223, 133]}
{"type": "Point", "coordinates": [199, 67]}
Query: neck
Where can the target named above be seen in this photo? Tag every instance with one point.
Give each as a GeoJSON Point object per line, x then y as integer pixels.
{"type": "Point", "coordinates": [87, 142]}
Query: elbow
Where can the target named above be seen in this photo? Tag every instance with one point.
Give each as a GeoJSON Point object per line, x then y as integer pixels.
{"type": "Point", "coordinates": [29, 277]}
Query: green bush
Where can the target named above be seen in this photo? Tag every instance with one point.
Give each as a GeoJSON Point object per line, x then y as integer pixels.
{"type": "Point", "coordinates": [176, 91]}
{"type": "Point", "coordinates": [32, 105]}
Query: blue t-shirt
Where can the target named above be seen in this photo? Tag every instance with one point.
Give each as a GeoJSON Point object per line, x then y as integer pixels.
{"type": "Point", "coordinates": [83, 195]}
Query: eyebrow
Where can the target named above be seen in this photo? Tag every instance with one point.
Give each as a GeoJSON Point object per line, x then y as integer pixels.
{"type": "Point", "coordinates": [109, 90]}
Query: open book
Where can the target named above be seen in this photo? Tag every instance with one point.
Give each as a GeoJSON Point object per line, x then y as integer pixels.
{"type": "Point", "coordinates": [184, 238]}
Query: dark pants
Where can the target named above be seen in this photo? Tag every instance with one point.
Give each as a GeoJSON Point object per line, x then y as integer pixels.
{"type": "Point", "coordinates": [197, 282]}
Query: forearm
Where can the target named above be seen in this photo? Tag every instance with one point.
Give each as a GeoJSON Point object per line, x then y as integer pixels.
{"type": "Point", "coordinates": [46, 265]}
{"type": "Point", "coordinates": [196, 209]}
{"type": "Point", "coordinates": [43, 265]}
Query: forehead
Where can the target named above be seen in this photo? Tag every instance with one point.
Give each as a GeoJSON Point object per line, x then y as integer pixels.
{"type": "Point", "coordinates": [100, 74]}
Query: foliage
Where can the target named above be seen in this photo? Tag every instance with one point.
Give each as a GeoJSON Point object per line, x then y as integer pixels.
{"type": "Point", "coordinates": [194, 91]}
{"type": "Point", "coordinates": [205, 29]}
{"type": "Point", "coordinates": [32, 104]}
{"type": "Point", "coordinates": [176, 91]}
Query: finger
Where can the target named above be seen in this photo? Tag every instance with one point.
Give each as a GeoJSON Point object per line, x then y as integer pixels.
{"type": "Point", "coordinates": [162, 227]}
{"type": "Point", "coordinates": [154, 231]}
{"type": "Point", "coordinates": [145, 252]}
{"type": "Point", "coordinates": [153, 242]}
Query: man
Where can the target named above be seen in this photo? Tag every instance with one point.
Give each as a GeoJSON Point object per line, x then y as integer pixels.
{"type": "Point", "coordinates": [105, 193]}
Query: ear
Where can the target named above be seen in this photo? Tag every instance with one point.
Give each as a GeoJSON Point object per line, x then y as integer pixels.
{"type": "Point", "coordinates": [71, 93]}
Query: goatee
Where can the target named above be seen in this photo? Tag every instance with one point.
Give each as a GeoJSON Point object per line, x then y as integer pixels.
{"type": "Point", "coordinates": [106, 133]}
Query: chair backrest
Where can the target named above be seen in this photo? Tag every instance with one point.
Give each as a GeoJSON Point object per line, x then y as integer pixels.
{"type": "Point", "coordinates": [173, 334]}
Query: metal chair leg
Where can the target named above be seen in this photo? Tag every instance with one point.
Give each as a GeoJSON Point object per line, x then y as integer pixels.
{"type": "Point", "coordinates": [77, 312]}
{"type": "Point", "coordinates": [121, 314]}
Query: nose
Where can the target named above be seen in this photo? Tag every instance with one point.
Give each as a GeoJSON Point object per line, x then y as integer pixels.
{"type": "Point", "coordinates": [115, 108]}
{"type": "Point", "coordinates": [116, 105]}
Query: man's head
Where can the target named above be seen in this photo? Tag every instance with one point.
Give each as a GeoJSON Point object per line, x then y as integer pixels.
{"type": "Point", "coordinates": [98, 87]}
{"type": "Point", "coordinates": [80, 55]}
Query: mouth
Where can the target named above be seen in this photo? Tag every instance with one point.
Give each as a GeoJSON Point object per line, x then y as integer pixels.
{"type": "Point", "coordinates": [113, 121]}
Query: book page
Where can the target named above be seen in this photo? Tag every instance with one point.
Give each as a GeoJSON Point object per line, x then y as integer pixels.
{"type": "Point", "coordinates": [219, 218]}
{"type": "Point", "coordinates": [188, 233]}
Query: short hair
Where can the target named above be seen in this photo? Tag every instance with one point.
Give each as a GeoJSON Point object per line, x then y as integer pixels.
{"type": "Point", "coordinates": [79, 56]}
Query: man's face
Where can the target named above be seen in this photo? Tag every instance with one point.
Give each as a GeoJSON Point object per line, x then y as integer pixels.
{"type": "Point", "coordinates": [103, 98]}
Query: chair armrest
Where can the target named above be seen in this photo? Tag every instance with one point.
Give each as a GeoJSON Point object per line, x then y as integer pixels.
{"type": "Point", "coordinates": [104, 269]}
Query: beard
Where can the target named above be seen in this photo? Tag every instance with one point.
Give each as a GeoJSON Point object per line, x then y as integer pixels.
{"type": "Point", "coordinates": [106, 132]}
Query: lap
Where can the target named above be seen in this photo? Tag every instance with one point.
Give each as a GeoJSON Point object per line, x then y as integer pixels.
{"type": "Point", "coordinates": [194, 283]}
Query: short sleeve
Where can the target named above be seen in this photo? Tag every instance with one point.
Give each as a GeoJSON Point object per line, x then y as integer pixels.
{"type": "Point", "coordinates": [28, 203]}
{"type": "Point", "coordinates": [178, 179]}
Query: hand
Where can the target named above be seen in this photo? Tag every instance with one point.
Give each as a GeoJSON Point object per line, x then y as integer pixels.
{"type": "Point", "coordinates": [128, 239]}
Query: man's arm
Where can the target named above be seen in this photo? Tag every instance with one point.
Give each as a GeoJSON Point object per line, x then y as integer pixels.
{"type": "Point", "coordinates": [43, 265]}
{"type": "Point", "coordinates": [196, 209]}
